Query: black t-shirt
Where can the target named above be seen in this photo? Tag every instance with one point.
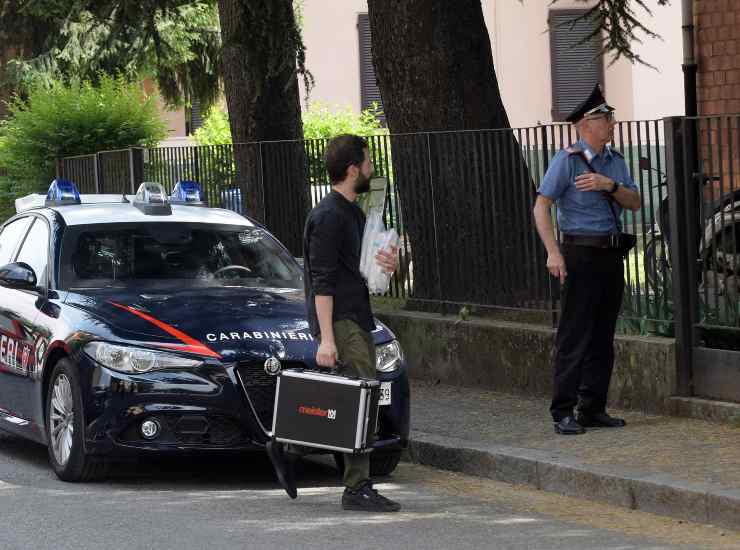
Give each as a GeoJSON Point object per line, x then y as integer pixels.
{"type": "Point", "coordinates": [332, 246]}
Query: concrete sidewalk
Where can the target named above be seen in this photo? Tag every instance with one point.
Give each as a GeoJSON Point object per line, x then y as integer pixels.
{"type": "Point", "coordinates": [688, 469]}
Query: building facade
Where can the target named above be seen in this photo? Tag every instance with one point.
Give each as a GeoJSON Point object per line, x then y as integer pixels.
{"type": "Point", "coordinates": [542, 70]}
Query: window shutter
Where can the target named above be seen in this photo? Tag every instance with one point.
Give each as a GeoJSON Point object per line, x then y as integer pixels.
{"type": "Point", "coordinates": [196, 115]}
{"type": "Point", "coordinates": [369, 91]}
{"type": "Point", "coordinates": [575, 68]}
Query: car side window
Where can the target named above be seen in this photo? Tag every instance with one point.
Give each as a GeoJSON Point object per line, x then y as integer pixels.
{"type": "Point", "coordinates": [10, 236]}
{"type": "Point", "coordinates": [35, 250]}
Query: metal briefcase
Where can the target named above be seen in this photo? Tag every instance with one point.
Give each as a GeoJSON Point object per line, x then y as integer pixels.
{"type": "Point", "coordinates": [325, 410]}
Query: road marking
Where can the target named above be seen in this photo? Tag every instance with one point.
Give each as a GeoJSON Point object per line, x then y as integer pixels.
{"type": "Point", "coordinates": [515, 521]}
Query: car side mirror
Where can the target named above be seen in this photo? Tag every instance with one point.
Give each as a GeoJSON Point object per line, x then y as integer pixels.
{"type": "Point", "coordinates": [18, 275]}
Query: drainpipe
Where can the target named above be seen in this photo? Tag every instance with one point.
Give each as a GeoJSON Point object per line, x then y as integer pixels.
{"type": "Point", "coordinates": [689, 58]}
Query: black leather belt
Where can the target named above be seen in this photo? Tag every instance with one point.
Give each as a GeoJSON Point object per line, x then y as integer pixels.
{"type": "Point", "coordinates": [594, 241]}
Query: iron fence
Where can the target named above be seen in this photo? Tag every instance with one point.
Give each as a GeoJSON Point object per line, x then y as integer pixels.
{"type": "Point", "coordinates": [461, 202]}
{"type": "Point", "coordinates": [716, 190]}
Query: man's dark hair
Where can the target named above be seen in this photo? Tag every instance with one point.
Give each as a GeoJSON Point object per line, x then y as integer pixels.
{"type": "Point", "coordinates": [341, 153]}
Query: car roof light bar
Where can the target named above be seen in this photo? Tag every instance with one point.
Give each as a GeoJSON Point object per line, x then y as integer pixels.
{"type": "Point", "coordinates": [152, 200]}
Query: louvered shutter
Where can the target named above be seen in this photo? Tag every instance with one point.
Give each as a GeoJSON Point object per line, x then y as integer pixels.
{"type": "Point", "coordinates": [196, 115]}
{"type": "Point", "coordinates": [575, 67]}
{"type": "Point", "coordinates": [369, 91]}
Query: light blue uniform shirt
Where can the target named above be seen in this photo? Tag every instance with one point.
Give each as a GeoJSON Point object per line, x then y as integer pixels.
{"type": "Point", "coordinates": [584, 212]}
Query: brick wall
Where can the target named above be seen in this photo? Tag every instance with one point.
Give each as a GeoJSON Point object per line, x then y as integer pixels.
{"type": "Point", "coordinates": [718, 92]}
{"type": "Point", "coordinates": [718, 53]}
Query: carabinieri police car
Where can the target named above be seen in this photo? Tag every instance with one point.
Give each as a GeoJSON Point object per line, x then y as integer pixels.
{"type": "Point", "coordinates": [154, 324]}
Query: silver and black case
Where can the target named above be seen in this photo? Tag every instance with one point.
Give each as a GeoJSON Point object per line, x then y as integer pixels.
{"type": "Point", "coordinates": [325, 410]}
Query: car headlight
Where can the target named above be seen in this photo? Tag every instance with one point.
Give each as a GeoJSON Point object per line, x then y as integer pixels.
{"type": "Point", "coordinates": [388, 356]}
{"type": "Point", "coordinates": [136, 360]}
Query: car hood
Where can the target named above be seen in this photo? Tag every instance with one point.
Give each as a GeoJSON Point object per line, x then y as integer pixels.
{"type": "Point", "coordinates": [230, 324]}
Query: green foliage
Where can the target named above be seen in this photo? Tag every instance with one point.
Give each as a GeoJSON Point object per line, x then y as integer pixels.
{"type": "Point", "coordinates": [67, 120]}
{"type": "Point", "coordinates": [177, 42]}
{"type": "Point", "coordinates": [215, 130]}
{"type": "Point", "coordinates": [319, 122]}
{"type": "Point", "coordinates": [298, 6]}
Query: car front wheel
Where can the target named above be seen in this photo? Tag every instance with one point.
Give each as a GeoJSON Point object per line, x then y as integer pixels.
{"type": "Point", "coordinates": [64, 427]}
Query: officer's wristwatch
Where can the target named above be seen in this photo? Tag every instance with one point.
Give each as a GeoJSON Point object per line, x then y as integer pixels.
{"type": "Point", "coordinates": [615, 187]}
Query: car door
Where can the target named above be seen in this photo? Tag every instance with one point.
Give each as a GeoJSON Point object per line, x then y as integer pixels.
{"type": "Point", "coordinates": [18, 312]}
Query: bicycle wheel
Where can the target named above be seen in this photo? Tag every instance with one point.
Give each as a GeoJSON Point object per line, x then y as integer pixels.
{"type": "Point", "coordinates": [657, 265]}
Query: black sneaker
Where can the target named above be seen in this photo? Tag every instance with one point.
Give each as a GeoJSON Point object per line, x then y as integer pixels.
{"type": "Point", "coordinates": [599, 420]}
{"type": "Point", "coordinates": [569, 426]}
{"type": "Point", "coordinates": [284, 467]}
{"type": "Point", "coordinates": [367, 499]}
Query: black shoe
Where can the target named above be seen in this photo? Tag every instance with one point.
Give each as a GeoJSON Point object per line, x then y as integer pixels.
{"type": "Point", "coordinates": [569, 426]}
{"type": "Point", "coordinates": [284, 467]}
{"type": "Point", "coordinates": [600, 420]}
{"type": "Point", "coordinates": [367, 499]}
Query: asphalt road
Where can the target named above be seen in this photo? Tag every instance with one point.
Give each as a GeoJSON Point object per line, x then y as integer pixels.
{"type": "Point", "coordinates": [234, 502]}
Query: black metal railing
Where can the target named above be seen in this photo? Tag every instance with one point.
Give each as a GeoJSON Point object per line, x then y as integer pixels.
{"type": "Point", "coordinates": [461, 202]}
{"type": "Point", "coordinates": [717, 179]}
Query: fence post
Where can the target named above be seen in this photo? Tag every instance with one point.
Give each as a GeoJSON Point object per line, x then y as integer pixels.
{"type": "Point", "coordinates": [262, 185]}
{"type": "Point", "coordinates": [196, 165]}
{"type": "Point", "coordinates": [135, 167]}
{"type": "Point", "coordinates": [97, 173]}
{"type": "Point", "coordinates": [684, 214]}
{"type": "Point", "coordinates": [554, 290]}
{"type": "Point", "coordinates": [443, 309]}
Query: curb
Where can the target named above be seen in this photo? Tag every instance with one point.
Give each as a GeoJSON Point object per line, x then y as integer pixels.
{"type": "Point", "coordinates": [706, 409]}
{"type": "Point", "coordinates": [548, 471]}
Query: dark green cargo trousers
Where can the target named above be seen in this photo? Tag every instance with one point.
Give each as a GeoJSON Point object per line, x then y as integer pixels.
{"type": "Point", "coordinates": [355, 348]}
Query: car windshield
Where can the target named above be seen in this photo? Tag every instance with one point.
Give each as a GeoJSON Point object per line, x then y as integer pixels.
{"type": "Point", "coordinates": [174, 255]}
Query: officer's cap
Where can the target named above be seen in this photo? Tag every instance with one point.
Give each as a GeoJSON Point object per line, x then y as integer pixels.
{"type": "Point", "coordinates": [594, 104]}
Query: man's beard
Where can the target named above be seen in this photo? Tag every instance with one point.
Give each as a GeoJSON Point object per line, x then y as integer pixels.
{"type": "Point", "coordinates": [362, 185]}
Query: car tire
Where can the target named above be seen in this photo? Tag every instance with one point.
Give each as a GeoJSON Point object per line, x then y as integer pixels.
{"type": "Point", "coordinates": [381, 463]}
{"type": "Point", "coordinates": [65, 428]}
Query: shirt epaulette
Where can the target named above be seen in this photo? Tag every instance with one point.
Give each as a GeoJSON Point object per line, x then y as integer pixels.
{"type": "Point", "coordinates": [573, 150]}
{"type": "Point", "coordinates": [616, 152]}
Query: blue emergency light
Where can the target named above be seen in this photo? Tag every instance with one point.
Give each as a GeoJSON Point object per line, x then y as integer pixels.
{"type": "Point", "coordinates": [187, 192]}
{"type": "Point", "coordinates": [62, 192]}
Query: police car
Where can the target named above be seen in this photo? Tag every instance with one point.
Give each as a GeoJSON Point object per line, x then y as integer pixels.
{"type": "Point", "coordinates": [155, 324]}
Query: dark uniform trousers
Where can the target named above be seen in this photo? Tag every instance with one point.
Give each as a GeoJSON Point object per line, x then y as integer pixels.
{"type": "Point", "coordinates": [584, 357]}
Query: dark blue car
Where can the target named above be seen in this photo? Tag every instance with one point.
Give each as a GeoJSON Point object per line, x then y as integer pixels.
{"type": "Point", "coordinates": [142, 324]}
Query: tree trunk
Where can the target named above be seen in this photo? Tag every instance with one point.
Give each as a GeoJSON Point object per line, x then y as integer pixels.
{"type": "Point", "coordinates": [21, 37]}
{"type": "Point", "coordinates": [465, 196]}
{"type": "Point", "coordinates": [261, 88]}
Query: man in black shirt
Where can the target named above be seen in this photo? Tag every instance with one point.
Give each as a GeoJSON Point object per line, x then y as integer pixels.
{"type": "Point", "coordinates": [338, 300]}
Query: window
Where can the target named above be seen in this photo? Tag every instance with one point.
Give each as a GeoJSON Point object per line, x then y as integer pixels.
{"type": "Point", "coordinates": [369, 91]}
{"type": "Point", "coordinates": [163, 255]}
{"type": "Point", "coordinates": [575, 67]}
{"type": "Point", "coordinates": [35, 250]}
{"type": "Point", "coordinates": [193, 117]}
{"type": "Point", "coordinates": [10, 237]}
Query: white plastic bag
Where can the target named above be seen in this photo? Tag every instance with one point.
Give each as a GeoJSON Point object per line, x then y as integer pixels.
{"type": "Point", "coordinates": [379, 280]}
{"type": "Point", "coordinates": [373, 226]}
{"type": "Point", "coordinates": [374, 239]}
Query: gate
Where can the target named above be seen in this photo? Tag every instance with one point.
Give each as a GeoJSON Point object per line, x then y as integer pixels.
{"type": "Point", "coordinates": [703, 155]}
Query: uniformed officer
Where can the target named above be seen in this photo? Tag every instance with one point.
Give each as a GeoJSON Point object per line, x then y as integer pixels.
{"type": "Point", "coordinates": [585, 181]}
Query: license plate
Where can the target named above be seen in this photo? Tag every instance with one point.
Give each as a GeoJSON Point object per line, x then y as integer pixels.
{"type": "Point", "coordinates": [385, 393]}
